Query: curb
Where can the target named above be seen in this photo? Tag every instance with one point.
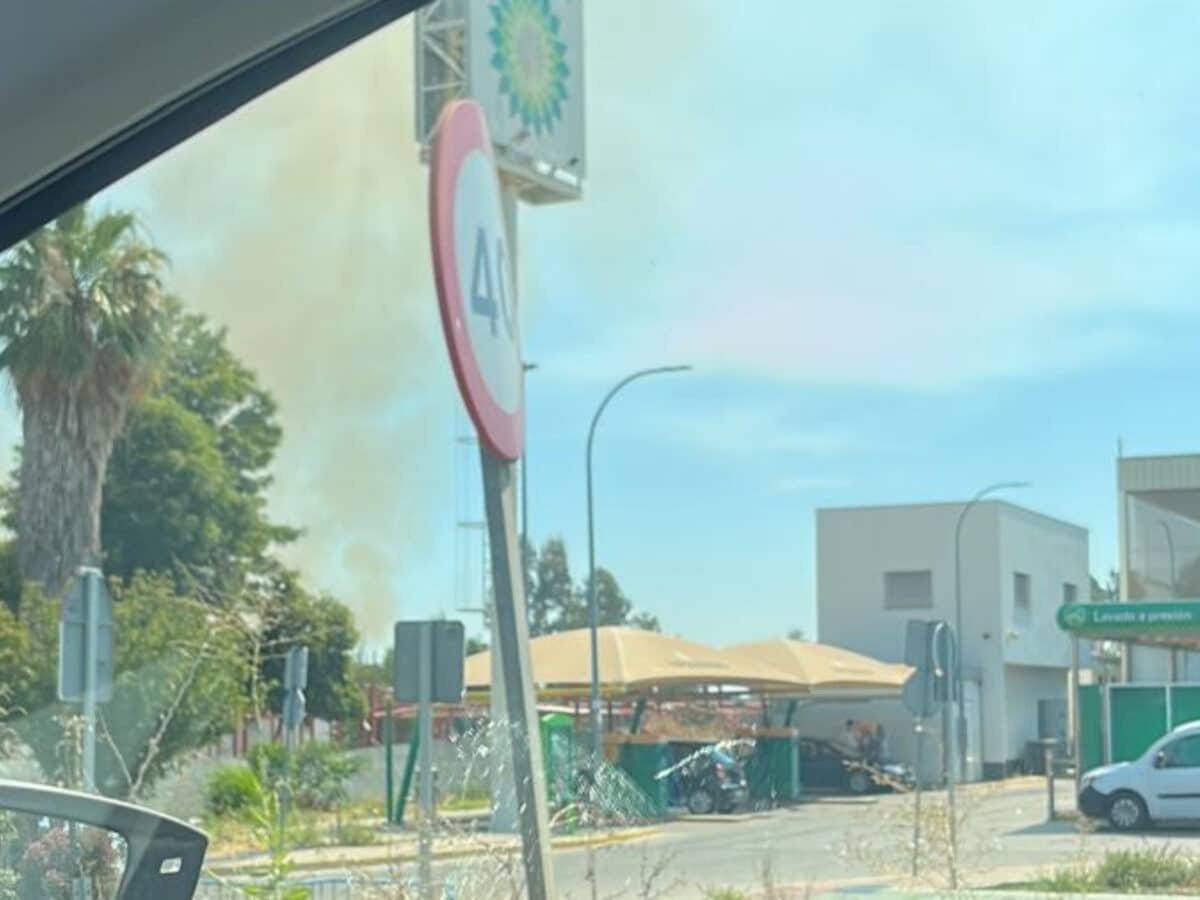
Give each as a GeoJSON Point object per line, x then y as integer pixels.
{"type": "Point", "coordinates": [569, 842]}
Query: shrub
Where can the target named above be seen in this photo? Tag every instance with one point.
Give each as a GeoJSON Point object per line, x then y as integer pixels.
{"type": "Point", "coordinates": [232, 789]}
{"type": "Point", "coordinates": [317, 772]}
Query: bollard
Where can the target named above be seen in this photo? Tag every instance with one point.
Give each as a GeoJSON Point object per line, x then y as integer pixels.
{"type": "Point", "coordinates": [1048, 759]}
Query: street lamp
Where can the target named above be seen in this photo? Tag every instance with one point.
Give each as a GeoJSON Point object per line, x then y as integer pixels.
{"type": "Point", "coordinates": [958, 629]}
{"type": "Point", "coordinates": [593, 612]}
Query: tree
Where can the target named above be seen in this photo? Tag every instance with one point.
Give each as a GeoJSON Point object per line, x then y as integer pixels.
{"type": "Point", "coordinates": [80, 318]}
{"type": "Point", "coordinates": [186, 485]}
{"type": "Point", "coordinates": [293, 617]}
{"type": "Point", "coordinates": [179, 676]}
{"type": "Point", "coordinates": [612, 606]}
{"type": "Point", "coordinates": [554, 599]}
{"type": "Point", "coordinates": [476, 645]}
{"type": "Point", "coordinates": [796, 634]}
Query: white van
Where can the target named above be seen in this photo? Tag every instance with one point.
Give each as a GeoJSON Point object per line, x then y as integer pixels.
{"type": "Point", "coordinates": [1163, 784]}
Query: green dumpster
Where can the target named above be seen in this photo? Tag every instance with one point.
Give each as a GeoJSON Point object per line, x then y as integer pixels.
{"type": "Point", "coordinates": [558, 755]}
{"type": "Point", "coordinates": [773, 769]}
{"type": "Point", "coordinates": [641, 758]}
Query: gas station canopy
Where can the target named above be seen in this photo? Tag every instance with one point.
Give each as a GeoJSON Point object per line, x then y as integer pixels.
{"type": "Point", "coordinates": [634, 661]}
{"type": "Point", "coordinates": [828, 671]}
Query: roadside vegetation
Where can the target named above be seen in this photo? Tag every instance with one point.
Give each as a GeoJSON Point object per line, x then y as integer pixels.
{"type": "Point", "coordinates": [1151, 870]}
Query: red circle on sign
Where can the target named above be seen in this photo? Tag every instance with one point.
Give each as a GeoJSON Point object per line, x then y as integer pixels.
{"type": "Point", "coordinates": [462, 132]}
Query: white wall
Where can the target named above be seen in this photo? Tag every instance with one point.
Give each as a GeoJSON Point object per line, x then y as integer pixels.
{"type": "Point", "coordinates": [1026, 686]}
{"type": "Point", "coordinates": [855, 547]}
{"type": "Point", "coordinates": [1052, 554]}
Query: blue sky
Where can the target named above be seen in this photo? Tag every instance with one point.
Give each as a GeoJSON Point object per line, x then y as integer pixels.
{"type": "Point", "coordinates": [910, 250]}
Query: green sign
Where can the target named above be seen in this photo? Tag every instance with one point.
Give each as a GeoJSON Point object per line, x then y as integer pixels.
{"type": "Point", "coordinates": [1130, 619]}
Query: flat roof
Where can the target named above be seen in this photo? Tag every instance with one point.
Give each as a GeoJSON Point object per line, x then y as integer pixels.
{"type": "Point", "coordinates": [991, 501]}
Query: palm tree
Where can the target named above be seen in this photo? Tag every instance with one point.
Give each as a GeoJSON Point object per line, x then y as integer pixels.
{"type": "Point", "coordinates": [81, 309]}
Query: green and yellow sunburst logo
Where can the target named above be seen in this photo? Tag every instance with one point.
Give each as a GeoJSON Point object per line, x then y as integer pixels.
{"type": "Point", "coordinates": [531, 58]}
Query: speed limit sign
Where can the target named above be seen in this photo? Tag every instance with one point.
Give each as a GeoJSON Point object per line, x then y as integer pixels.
{"type": "Point", "coordinates": [473, 271]}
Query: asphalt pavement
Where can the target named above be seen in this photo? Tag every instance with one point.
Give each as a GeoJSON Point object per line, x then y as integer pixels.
{"type": "Point", "coordinates": [829, 844]}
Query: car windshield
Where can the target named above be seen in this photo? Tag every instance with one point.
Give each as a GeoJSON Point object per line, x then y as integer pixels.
{"type": "Point", "coordinates": [406, 474]}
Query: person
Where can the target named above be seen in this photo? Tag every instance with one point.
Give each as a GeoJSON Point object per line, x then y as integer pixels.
{"type": "Point", "coordinates": [848, 738]}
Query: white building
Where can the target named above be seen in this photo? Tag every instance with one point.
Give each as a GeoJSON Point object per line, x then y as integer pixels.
{"type": "Point", "coordinates": [878, 567]}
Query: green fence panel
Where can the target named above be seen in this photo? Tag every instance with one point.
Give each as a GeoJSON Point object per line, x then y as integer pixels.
{"type": "Point", "coordinates": [1185, 705]}
{"type": "Point", "coordinates": [1091, 728]}
{"type": "Point", "coordinates": [642, 761]}
{"type": "Point", "coordinates": [1139, 718]}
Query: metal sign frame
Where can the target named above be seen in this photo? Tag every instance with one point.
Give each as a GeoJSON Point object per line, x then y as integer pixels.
{"type": "Point", "coordinates": [442, 54]}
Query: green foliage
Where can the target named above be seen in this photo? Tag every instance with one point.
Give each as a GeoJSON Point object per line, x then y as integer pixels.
{"type": "Point", "coordinates": [16, 662]}
{"type": "Point", "coordinates": [268, 833]}
{"type": "Point", "coordinates": [10, 576]}
{"type": "Point", "coordinates": [81, 310]}
{"type": "Point", "coordinates": [556, 603]}
{"type": "Point", "coordinates": [185, 488]}
{"type": "Point", "coordinates": [180, 669]}
{"type": "Point", "coordinates": [79, 298]}
{"type": "Point", "coordinates": [554, 598]}
{"type": "Point", "coordinates": [232, 789]}
{"type": "Point", "coordinates": [1142, 871]}
{"type": "Point", "coordinates": [317, 775]}
{"type": "Point", "coordinates": [326, 627]}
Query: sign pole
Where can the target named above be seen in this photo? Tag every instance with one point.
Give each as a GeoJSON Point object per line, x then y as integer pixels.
{"type": "Point", "coordinates": [919, 731]}
{"type": "Point", "coordinates": [512, 632]}
{"type": "Point", "coordinates": [91, 673]}
{"type": "Point", "coordinates": [504, 800]}
{"type": "Point", "coordinates": [425, 760]}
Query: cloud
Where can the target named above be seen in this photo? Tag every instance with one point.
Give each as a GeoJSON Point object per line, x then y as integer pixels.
{"type": "Point", "coordinates": [919, 198]}
{"type": "Point", "coordinates": [742, 430]}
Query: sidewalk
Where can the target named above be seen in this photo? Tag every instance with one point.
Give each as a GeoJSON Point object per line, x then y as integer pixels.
{"type": "Point", "coordinates": [401, 847]}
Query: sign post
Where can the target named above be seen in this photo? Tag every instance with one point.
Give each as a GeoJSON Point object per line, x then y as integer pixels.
{"type": "Point", "coordinates": [428, 668]}
{"type": "Point", "coordinates": [473, 271]}
{"type": "Point", "coordinates": [295, 680]}
{"type": "Point", "coordinates": [85, 656]}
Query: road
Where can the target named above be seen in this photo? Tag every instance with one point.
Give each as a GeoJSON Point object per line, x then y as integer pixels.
{"type": "Point", "coordinates": [860, 844]}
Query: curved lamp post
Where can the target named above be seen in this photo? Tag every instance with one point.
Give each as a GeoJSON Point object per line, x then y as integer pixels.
{"type": "Point", "coordinates": [961, 726]}
{"type": "Point", "coordinates": [593, 612]}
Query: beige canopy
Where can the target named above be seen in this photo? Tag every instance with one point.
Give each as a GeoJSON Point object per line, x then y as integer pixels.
{"type": "Point", "coordinates": [632, 661]}
{"type": "Point", "coordinates": [826, 670]}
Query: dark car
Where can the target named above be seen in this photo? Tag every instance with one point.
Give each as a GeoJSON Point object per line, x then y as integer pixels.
{"type": "Point", "coordinates": [708, 780]}
{"type": "Point", "coordinates": [826, 766]}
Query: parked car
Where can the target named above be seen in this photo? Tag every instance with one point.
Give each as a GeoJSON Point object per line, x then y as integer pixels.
{"type": "Point", "coordinates": [709, 780]}
{"type": "Point", "coordinates": [825, 765]}
{"type": "Point", "coordinates": [1162, 785]}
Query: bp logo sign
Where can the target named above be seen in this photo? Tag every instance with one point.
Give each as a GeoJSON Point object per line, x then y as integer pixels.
{"type": "Point", "coordinates": [531, 59]}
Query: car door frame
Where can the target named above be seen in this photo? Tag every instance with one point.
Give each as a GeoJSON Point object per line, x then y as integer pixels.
{"type": "Point", "coordinates": [164, 856]}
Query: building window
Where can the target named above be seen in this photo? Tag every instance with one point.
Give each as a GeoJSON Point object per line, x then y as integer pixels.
{"type": "Point", "coordinates": [1022, 598]}
{"type": "Point", "coordinates": [908, 590]}
{"type": "Point", "coordinates": [1070, 593]}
